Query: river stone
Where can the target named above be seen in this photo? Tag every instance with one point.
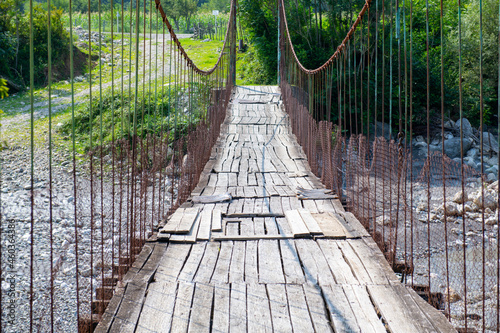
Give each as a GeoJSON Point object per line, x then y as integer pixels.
{"type": "Point", "coordinates": [460, 197]}
{"type": "Point", "coordinates": [489, 201]}
{"type": "Point", "coordinates": [452, 295]}
{"type": "Point", "coordinates": [452, 147]}
{"type": "Point", "coordinates": [467, 127]}
{"type": "Point", "coordinates": [451, 209]}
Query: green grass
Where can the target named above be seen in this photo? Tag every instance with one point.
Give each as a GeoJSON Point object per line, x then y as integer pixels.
{"type": "Point", "coordinates": [203, 54]}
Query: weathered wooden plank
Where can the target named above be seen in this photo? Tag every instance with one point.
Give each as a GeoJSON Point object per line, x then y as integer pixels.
{"type": "Point", "coordinates": [316, 307]}
{"type": "Point", "coordinates": [205, 223]}
{"type": "Point", "coordinates": [439, 321]}
{"type": "Point", "coordinates": [199, 321]}
{"type": "Point", "coordinates": [271, 227]}
{"type": "Point", "coordinates": [291, 262]}
{"type": "Point", "coordinates": [206, 199]}
{"type": "Point", "coordinates": [158, 308]}
{"type": "Point", "coordinates": [251, 265]}
{"type": "Point", "coordinates": [325, 275]}
{"type": "Point", "coordinates": [190, 237]}
{"type": "Point", "coordinates": [355, 263]}
{"type": "Point", "coordinates": [353, 225]}
{"type": "Point", "coordinates": [295, 221]}
{"type": "Point", "coordinates": [310, 222]}
{"type": "Point", "coordinates": [339, 267]}
{"type": "Point", "coordinates": [188, 219]}
{"type": "Point", "coordinates": [270, 269]}
{"type": "Point", "coordinates": [250, 237]}
{"type": "Point", "coordinates": [221, 308]}
{"type": "Point", "coordinates": [330, 225]}
{"type": "Point", "coordinates": [238, 308]}
{"type": "Point", "coordinates": [395, 314]}
{"type": "Point", "coordinates": [216, 220]}
{"type": "Point", "coordinates": [173, 221]}
{"type": "Point", "coordinates": [183, 301]}
{"type": "Point", "coordinates": [221, 273]}
{"type": "Point", "coordinates": [341, 314]}
{"type": "Point", "coordinates": [172, 262]}
{"type": "Point", "coordinates": [207, 265]}
{"type": "Point", "coordinates": [237, 266]}
{"type": "Point", "coordinates": [193, 262]}
{"type": "Point", "coordinates": [258, 311]}
{"type": "Point", "coordinates": [279, 308]}
{"type": "Point", "coordinates": [370, 261]}
{"type": "Point", "coordinates": [363, 309]}
{"type": "Point", "coordinates": [299, 313]}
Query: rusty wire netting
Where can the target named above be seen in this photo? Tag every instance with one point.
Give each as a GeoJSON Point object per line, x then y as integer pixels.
{"type": "Point", "coordinates": [90, 204]}
{"type": "Point", "coordinates": [423, 183]}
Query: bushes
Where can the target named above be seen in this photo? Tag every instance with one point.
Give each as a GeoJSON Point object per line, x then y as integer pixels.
{"type": "Point", "coordinates": [15, 43]}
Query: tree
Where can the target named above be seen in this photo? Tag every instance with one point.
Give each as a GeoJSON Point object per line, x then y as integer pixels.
{"type": "Point", "coordinates": [177, 9]}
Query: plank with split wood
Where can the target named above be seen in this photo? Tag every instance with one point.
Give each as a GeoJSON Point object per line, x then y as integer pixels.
{"type": "Point", "coordinates": [279, 308]}
{"type": "Point", "coordinates": [199, 320]}
{"type": "Point", "coordinates": [207, 264]}
{"type": "Point", "coordinates": [342, 317]}
{"type": "Point", "coordinates": [392, 309]}
{"type": "Point", "coordinates": [238, 308]}
{"type": "Point", "coordinates": [182, 309]}
{"type": "Point", "coordinates": [291, 262]}
{"type": "Point", "coordinates": [363, 309]}
{"type": "Point", "coordinates": [158, 308]}
{"type": "Point", "coordinates": [221, 308]}
{"type": "Point", "coordinates": [317, 309]}
{"type": "Point", "coordinates": [339, 267]}
{"type": "Point", "coordinates": [258, 311]}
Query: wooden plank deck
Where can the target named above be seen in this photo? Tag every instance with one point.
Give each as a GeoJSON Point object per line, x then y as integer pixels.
{"type": "Point", "coordinates": [265, 260]}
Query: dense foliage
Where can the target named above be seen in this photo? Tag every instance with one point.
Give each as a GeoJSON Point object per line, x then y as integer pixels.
{"type": "Point", "coordinates": [15, 43]}
{"type": "Point", "coordinates": [317, 27]}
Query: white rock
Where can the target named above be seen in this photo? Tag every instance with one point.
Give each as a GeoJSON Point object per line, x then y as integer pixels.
{"type": "Point", "coordinates": [460, 197]}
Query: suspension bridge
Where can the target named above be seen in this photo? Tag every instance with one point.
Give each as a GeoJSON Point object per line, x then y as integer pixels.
{"type": "Point", "coordinates": [175, 200]}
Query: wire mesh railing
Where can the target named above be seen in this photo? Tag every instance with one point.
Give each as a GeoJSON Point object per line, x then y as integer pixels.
{"type": "Point", "coordinates": [386, 123]}
{"type": "Point", "coordinates": [89, 174]}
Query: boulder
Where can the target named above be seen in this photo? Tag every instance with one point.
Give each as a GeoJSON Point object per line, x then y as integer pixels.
{"type": "Point", "coordinates": [451, 209]}
{"type": "Point", "coordinates": [490, 142]}
{"type": "Point", "coordinates": [382, 130]}
{"type": "Point", "coordinates": [467, 127]}
{"type": "Point", "coordinates": [452, 147]}
{"type": "Point", "coordinates": [489, 201]}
